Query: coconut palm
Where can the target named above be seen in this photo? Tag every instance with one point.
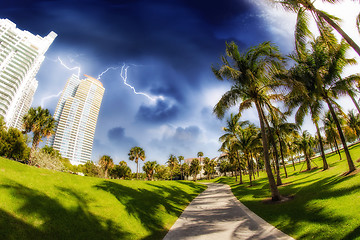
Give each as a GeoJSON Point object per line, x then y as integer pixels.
{"type": "Point", "coordinates": [280, 128]}
{"type": "Point", "coordinates": [250, 74]}
{"type": "Point", "coordinates": [353, 122]}
{"type": "Point", "coordinates": [172, 163]}
{"type": "Point", "coordinates": [135, 154]}
{"type": "Point", "coordinates": [40, 122]}
{"type": "Point", "coordinates": [306, 143]}
{"type": "Point", "coordinates": [305, 9]}
{"type": "Point", "coordinates": [248, 140]}
{"type": "Point", "coordinates": [331, 132]}
{"type": "Point", "coordinates": [106, 163]}
{"type": "Point", "coordinates": [318, 81]}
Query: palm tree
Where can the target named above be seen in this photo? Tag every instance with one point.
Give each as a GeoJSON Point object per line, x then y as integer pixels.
{"type": "Point", "coordinates": [250, 74]}
{"type": "Point", "coordinates": [247, 140]}
{"type": "Point", "coordinates": [195, 168]}
{"type": "Point", "coordinates": [181, 158]}
{"type": "Point", "coordinates": [135, 154]}
{"type": "Point", "coordinates": [40, 122]}
{"type": "Point", "coordinates": [304, 9]}
{"type": "Point", "coordinates": [149, 168]}
{"type": "Point", "coordinates": [306, 143]}
{"type": "Point", "coordinates": [353, 122]}
{"type": "Point", "coordinates": [331, 132]}
{"type": "Point", "coordinates": [318, 80]}
{"type": "Point", "coordinates": [172, 163]}
{"type": "Point", "coordinates": [185, 169]}
{"type": "Point", "coordinates": [106, 163]}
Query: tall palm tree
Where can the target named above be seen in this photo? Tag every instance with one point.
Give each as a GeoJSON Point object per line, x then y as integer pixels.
{"type": "Point", "coordinates": [200, 154]}
{"type": "Point", "coordinates": [106, 163]}
{"type": "Point", "coordinates": [40, 122]}
{"type": "Point", "coordinates": [322, 67]}
{"type": "Point", "coordinates": [305, 9]}
{"type": "Point", "coordinates": [172, 163]}
{"type": "Point", "coordinates": [250, 74]}
{"type": "Point", "coordinates": [135, 154]}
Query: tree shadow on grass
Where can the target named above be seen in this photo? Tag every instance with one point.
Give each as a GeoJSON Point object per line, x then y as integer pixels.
{"type": "Point", "coordinates": [305, 207]}
{"type": "Point", "coordinates": [147, 205]}
{"type": "Point", "coordinates": [52, 219]}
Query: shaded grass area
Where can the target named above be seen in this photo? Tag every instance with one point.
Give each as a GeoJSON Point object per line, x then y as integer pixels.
{"type": "Point", "coordinates": [42, 204]}
{"type": "Point", "coordinates": [326, 204]}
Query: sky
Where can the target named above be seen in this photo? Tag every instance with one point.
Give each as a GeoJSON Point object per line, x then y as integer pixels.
{"type": "Point", "coordinates": [159, 87]}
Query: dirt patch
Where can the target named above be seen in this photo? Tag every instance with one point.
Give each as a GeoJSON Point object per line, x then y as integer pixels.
{"type": "Point", "coordinates": [282, 200]}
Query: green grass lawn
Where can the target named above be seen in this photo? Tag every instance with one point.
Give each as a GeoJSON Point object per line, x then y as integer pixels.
{"type": "Point", "coordinates": [326, 204]}
{"type": "Point", "coordinates": [42, 204]}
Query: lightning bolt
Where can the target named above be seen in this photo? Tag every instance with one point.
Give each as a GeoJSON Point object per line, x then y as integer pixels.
{"type": "Point", "coordinates": [71, 69]}
{"type": "Point", "coordinates": [109, 68]}
{"type": "Point", "coordinates": [123, 75]}
{"type": "Point", "coordinates": [48, 97]}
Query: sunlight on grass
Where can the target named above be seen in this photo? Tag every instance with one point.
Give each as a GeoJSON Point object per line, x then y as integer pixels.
{"type": "Point", "coordinates": [326, 204]}
{"type": "Point", "coordinates": [41, 204]}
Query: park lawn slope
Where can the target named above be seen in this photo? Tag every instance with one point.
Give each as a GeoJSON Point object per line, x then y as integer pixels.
{"type": "Point", "coordinates": [326, 204]}
{"type": "Point", "coordinates": [42, 204]}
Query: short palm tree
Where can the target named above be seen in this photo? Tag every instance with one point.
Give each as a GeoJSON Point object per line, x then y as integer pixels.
{"type": "Point", "coordinates": [106, 163]}
{"type": "Point", "coordinates": [251, 75]}
{"type": "Point", "coordinates": [353, 122]}
{"type": "Point", "coordinates": [135, 154]}
{"type": "Point", "coordinates": [195, 168]}
{"type": "Point", "coordinates": [306, 143]}
{"type": "Point", "coordinates": [172, 163]}
{"type": "Point", "coordinates": [40, 122]}
{"type": "Point", "coordinates": [181, 158]}
{"type": "Point", "coordinates": [149, 169]}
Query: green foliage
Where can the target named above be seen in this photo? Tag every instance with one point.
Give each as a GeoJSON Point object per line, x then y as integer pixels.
{"type": "Point", "coordinates": [162, 172]}
{"type": "Point", "coordinates": [135, 154]}
{"type": "Point", "coordinates": [106, 163]}
{"type": "Point", "coordinates": [91, 170]}
{"type": "Point", "coordinates": [149, 169]}
{"type": "Point", "coordinates": [185, 168]}
{"type": "Point", "coordinates": [209, 167]}
{"type": "Point", "coordinates": [195, 168]}
{"type": "Point", "coordinates": [122, 171]}
{"type": "Point", "coordinates": [13, 144]}
{"type": "Point", "coordinates": [46, 160]}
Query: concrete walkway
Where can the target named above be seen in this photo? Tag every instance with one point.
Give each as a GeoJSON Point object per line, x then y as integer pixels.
{"type": "Point", "coordinates": [217, 214]}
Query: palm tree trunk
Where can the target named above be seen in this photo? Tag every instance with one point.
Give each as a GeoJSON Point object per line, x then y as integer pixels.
{"type": "Point", "coordinates": [275, 195]}
{"type": "Point", "coordinates": [282, 157]}
{"type": "Point", "coordinates": [278, 177]}
{"type": "Point", "coordinates": [241, 180]}
{"type": "Point", "coordinates": [338, 29]}
{"type": "Point", "coordinates": [137, 169]}
{"type": "Point", "coordinates": [343, 141]}
{"type": "Point", "coordinates": [337, 148]}
{"type": "Point", "coordinates": [325, 164]}
{"type": "Point", "coordinates": [308, 163]}
{"type": "Point", "coordinates": [35, 143]}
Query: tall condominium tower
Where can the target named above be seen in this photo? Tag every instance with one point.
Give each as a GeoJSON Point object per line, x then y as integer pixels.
{"type": "Point", "coordinates": [76, 115]}
{"type": "Point", "coordinates": [21, 54]}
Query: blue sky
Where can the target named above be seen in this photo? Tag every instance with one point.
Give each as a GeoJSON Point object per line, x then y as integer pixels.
{"type": "Point", "coordinates": [167, 47]}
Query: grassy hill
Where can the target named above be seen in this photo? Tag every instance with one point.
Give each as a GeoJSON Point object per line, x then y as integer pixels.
{"type": "Point", "coordinates": [326, 204]}
{"type": "Point", "coordinates": [42, 204]}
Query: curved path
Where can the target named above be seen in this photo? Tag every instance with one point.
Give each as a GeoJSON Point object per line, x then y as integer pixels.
{"type": "Point", "coordinates": [217, 214]}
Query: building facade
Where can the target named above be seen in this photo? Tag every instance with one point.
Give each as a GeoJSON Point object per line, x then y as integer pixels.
{"type": "Point", "coordinates": [76, 115]}
{"type": "Point", "coordinates": [21, 54]}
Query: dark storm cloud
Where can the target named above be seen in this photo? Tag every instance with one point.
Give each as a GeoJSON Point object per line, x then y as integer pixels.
{"type": "Point", "coordinates": [161, 112]}
{"type": "Point", "coordinates": [117, 137]}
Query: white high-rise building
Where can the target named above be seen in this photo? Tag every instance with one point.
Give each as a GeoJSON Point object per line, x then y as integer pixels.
{"type": "Point", "coordinates": [21, 54]}
{"type": "Point", "coordinates": [76, 115]}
